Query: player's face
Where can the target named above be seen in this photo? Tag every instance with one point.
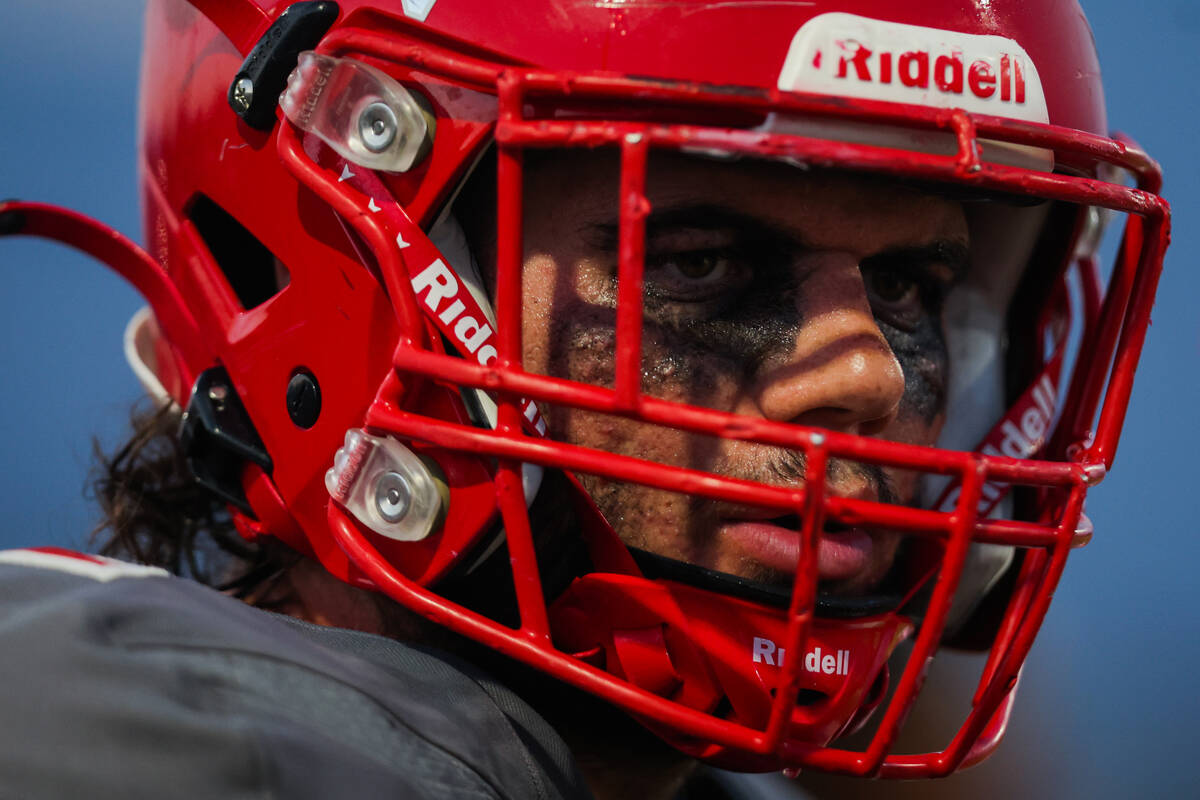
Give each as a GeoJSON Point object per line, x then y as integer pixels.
{"type": "Point", "coordinates": [771, 291]}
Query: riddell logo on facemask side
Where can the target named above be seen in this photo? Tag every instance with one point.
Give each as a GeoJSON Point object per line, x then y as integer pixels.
{"type": "Point", "coordinates": [438, 283]}
{"type": "Point", "coordinates": [848, 55]}
{"type": "Point", "coordinates": [462, 319]}
{"type": "Point", "coordinates": [767, 652]}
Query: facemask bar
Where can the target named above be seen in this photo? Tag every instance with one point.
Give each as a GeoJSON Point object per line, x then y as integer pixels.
{"type": "Point", "coordinates": [1048, 541]}
{"type": "Point", "coordinates": [126, 259]}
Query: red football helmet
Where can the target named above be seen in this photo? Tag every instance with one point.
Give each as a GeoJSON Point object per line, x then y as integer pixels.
{"type": "Point", "coordinates": [354, 385]}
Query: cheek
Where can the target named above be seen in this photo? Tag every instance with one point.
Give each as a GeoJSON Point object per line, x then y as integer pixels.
{"type": "Point", "coordinates": [922, 357]}
{"type": "Point", "coordinates": [665, 523]}
{"type": "Point", "coordinates": [578, 342]}
{"type": "Point", "coordinates": [678, 369]}
{"type": "Point", "coordinates": [539, 287]}
{"type": "Point", "coordinates": [910, 430]}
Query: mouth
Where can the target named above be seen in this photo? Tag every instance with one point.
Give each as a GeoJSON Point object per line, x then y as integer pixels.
{"type": "Point", "coordinates": [760, 559]}
{"type": "Point", "coordinates": [843, 552]}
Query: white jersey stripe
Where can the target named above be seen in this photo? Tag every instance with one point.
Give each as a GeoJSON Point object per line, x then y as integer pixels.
{"type": "Point", "coordinates": [98, 568]}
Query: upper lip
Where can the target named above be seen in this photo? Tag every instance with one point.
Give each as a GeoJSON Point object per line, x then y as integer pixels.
{"type": "Point", "coordinates": [747, 513]}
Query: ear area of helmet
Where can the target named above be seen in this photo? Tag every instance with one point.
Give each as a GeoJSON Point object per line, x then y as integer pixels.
{"type": "Point", "coordinates": [365, 115]}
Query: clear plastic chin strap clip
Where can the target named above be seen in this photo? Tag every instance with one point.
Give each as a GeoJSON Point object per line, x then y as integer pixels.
{"type": "Point", "coordinates": [363, 114]}
{"type": "Point", "coordinates": [385, 486]}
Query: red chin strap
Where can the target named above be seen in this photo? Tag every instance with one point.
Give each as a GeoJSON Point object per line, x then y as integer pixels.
{"type": "Point", "coordinates": [727, 656]}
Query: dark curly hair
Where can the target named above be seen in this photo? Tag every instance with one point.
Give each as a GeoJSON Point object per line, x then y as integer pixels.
{"type": "Point", "coordinates": [155, 513]}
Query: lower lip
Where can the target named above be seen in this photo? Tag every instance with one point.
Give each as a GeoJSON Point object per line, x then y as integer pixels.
{"type": "Point", "coordinates": [840, 555]}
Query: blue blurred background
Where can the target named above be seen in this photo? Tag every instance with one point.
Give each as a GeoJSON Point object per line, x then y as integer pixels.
{"type": "Point", "coordinates": [1109, 697]}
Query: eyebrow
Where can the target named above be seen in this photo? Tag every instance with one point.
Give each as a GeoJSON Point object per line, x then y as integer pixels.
{"type": "Point", "coordinates": [706, 216]}
{"type": "Point", "coordinates": [954, 254]}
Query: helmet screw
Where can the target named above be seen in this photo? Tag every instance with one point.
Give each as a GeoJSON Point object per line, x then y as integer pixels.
{"type": "Point", "coordinates": [243, 93]}
{"type": "Point", "coordinates": [303, 399]}
{"type": "Point", "coordinates": [393, 494]}
{"type": "Point", "coordinates": [377, 126]}
{"type": "Point", "coordinates": [218, 393]}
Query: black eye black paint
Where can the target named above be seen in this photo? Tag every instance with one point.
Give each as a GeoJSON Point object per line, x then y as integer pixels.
{"type": "Point", "coordinates": [703, 338]}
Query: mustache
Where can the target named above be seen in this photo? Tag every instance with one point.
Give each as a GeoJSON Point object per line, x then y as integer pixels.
{"type": "Point", "coordinates": [789, 466]}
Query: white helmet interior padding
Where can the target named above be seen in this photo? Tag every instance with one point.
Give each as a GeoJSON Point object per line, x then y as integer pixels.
{"type": "Point", "coordinates": [141, 334]}
{"type": "Point", "coordinates": [449, 238]}
{"type": "Point", "coordinates": [1003, 238]}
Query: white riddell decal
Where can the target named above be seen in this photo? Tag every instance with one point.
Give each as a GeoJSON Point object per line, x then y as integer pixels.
{"type": "Point", "coordinates": [767, 652]}
{"type": "Point", "coordinates": [1035, 413]}
{"type": "Point", "coordinates": [438, 283]}
{"type": "Point", "coordinates": [417, 9]}
{"type": "Point", "coordinates": [849, 55]}
{"type": "Point", "coordinates": [435, 284]}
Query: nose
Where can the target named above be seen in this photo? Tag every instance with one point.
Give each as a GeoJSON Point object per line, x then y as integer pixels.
{"type": "Point", "coordinates": [839, 372]}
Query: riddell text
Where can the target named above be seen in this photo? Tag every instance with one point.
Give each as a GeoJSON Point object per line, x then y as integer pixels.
{"type": "Point", "coordinates": [766, 651]}
{"type": "Point", "coordinates": [919, 68]}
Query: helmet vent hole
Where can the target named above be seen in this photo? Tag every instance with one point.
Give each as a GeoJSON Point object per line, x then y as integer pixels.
{"type": "Point", "coordinates": [252, 271]}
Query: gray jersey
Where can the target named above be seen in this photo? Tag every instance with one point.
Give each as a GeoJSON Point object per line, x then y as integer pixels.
{"type": "Point", "coordinates": [120, 681]}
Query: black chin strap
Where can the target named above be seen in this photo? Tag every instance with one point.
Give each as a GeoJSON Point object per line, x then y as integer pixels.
{"type": "Point", "coordinates": [486, 585]}
{"type": "Point", "coordinates": [770, 594]}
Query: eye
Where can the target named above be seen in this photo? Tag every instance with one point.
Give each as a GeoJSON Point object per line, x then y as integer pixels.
{"type": "Point", "coordinates": [703, 266]}
{"type": "Point", "coordinates": [898, 297]}
{"type": "Point", "coordinates": [691, 277]}
{"type": "Point", "coordinates": [891, 286]}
